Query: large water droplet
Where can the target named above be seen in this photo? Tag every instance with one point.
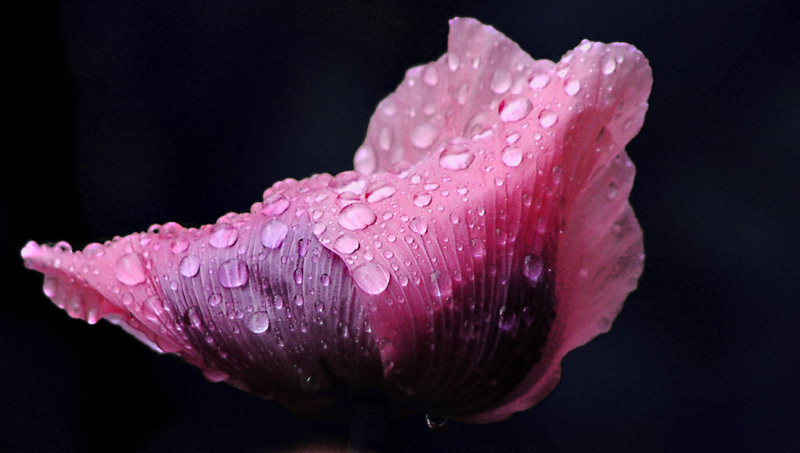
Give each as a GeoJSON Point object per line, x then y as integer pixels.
{"type": "Point", "coordinates": [501, 81]}
{"type": "Point", "coordinates": [608, 65]}
{"type": "Point", "coordinates": [539, 80]}
{"type": "Point", "coordinates": [456, 157]}
{"type": "Point", "coordinates": [453, 61]}
{"type": "Point", "coordinates": [273, 234]}
{"type": "Point", "coordinates": [380, 191]}
{"type": "Point", "coordinates": [365, 160]}
{"type": "Point", "coordinates": [258, 322]}
{"type": "Point", "coordinates": [572, 87]}
{"type": "Point", "coordinates": [372, 278]}
{"type": "Point", "coordinates": [514, 108]}
{"type": "Point", "coordinates": [194, 317]}
{"type": "Point", "coordinates": [129, 270]}
{"type": "Point", "coordinates": [430, 77]}
{"type": "Point", "coordinates": [50, 286]}
{"type": "Point", "coordinates": [223, 235]}
{"type": "Point", "coordinates": [275, 204]}
{"type": "Point", "coordinates": [190, 266]}
{"type": "Point", "coordinates": [349, 181]}
{"type": "Point", "coordinates": [232, 273]}
{"type": "Point", "coordinates": [547, 118]}
{"type": "Point", "coordinates": [422, 199]}
{"type": "Point", "coordinates": [346, 244]}
{"type": "Point", "coordinates": [418, 225]}
{"type": "Point", "coordinates": [179, 246]}
{"type": "Point", "coordinates": [424, 135]}
{"type": "Point", "coordinates": [441, 284]}
{"type": "Point", "coordinates": [511, 156]}
{"type": "Point", "coordinates": [356, 216]}
{"type": "Point", "coordinates": [533, 268]}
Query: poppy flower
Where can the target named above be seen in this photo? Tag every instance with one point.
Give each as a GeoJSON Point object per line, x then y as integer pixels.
{"type": "Point", "coordinates": [484, 232]}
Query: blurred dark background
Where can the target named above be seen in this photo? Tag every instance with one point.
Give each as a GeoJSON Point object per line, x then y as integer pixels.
{"type": "Point", "coordinates": [118, 115]}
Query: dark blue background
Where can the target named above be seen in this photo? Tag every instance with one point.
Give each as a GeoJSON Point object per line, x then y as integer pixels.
{"type": "Point", "coordinates": [118, 115]}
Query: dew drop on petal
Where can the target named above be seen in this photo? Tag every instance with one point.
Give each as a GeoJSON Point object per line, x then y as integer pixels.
{"type": "Point", "coordinates": [539, 80]}
{"type": "Point", "coordinates": [547, 118]}
{"type": "Point", "coordinates": [275, 204]}
{"type": "Point", "coordinates": [453, 61]}
{"type": "Point", "coordinates": [349, 181]}
{"type": "Point", "coordinates": [194, 317]}
{"type": "Point", "coordinates": [129, 270]}
{"type": "Point", "coordinates": [418, 225]}
{"type": "Point", "coordinates": [346, 244]}
{"type": "Point", "coordinates": [430, 77]}
{"type": "Point", "coordinates": [380, 191]}
{"type": "Point", "coordinates": [258, 322]}
{"type": "Point", "coordinates": [608, 65]}
{"type": "Point", "coordinates": [423, 135]}
{"type": "Point", "coordinates": [365, 160]}
{"type": "Point", "coordinates": [440, 284]}
{"type": "Point", "coordinates": [371, 277]}
{"type": "Point", "coordinates": [356, 216]}
{"type": "Point", "coordinates": [572, 87]}
{"type": "Point", "coordinates": [533, 267]}
{"type": "Point", "coordinates": [273, 234]}
{"type": "Point", "coordinates": [422, 199]}
{"type": "Point", "coordinates": [501, 81]}
{"type": "Point", "coordinates": [514, 108]}
{"type": "Point", "coordinates": [456, 157]}
{"type": "Point", "coordinates": [232, 273]}
{"type": "Point", "coordinates": [223, 235]}
{"type": "Point", "coordinates": [190, 266]}
{"type": "Point", "coordinates": [511, 156]}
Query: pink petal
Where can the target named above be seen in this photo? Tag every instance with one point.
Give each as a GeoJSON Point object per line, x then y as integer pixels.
{"type": "Point", "coordinates": [485, 233]}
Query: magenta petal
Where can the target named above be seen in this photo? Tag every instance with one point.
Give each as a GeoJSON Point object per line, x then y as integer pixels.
{"type": "Point", "coordinates": [485, 233]}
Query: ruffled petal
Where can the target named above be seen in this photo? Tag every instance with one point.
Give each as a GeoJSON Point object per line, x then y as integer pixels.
{"type": "Point", "coordinates": [485, 233]}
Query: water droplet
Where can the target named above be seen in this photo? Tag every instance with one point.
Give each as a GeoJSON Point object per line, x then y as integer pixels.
{"type": "Point", "coordinates": [232, 273]}
{"type": "Point", "coordinates": [613, 189]}
{"type": "Point", "coordinates": [346, 244]}
{"type": "Point", "coordinates": [356, 216]}
{"type": "Point", "coordinates": [501, 81]}
{"type": "Point", "coordinates": [190, 266]}
{"type": "Point", "coordinates": [319, 306]}
{"type": "Point", "coordinates": [325, 279]}
{"type": "Point", "coordinates": [453, 61]}
{"type": "Point", "coordinates": [511, 156]}
{"type": "Point", "coordinates": [319, 228]}
{"type": "Point", "coordinates": [179, 246]}
{"type": "Point", "coordinates": [223, 235]}
{"type": "Point", "coordinates": [608, 65]}
{"type": "Point", "coordinates": [275, 204]}
{"type": "Point", "coordinates": [454, 219]}
{"type": "Point", "coordinates": [424, 135]}
{"type": "Point", "coordinates": [418, 225]}
{"type": "Point", "coordinates": [422, 199]}
{"type": "Point", "coordinates": [436, 423]}
{"type": "Point", "coordinates": [430, 77]}
{"type": "Point", "coordinates": [539, 80]}
{"type": "Point", "coordinates": [365, 160]}
{"type": "Point", "coordinates": [586, 46]}
{"type": "Point", "coordinates": [299, 300]}
{"type": "Point", "coordinates": [273, 234]}
{"type": "Point", "coordinates": [507, 318]}
{"type": "Point", "coordinates": [50, 286]}
{"type": "Point", "coordinates": [547, 118]}
{"type": "Point", "coordinates": [456, 157]}
{"type": "Point", "coordinates": [371, 277]}
{"type": "Point", "coordinates": [302, 247]}
{"type": "Point", "coordinates": [533, 268]}
{"type": "Point", "coordinates": [440, 284]}
{"type": "Point", "coordinates": [385, 138]}
{"type": "Point", "coordinates": [380, 191]}
{"type": "Point", "coordinates": [258, 322]}
{"type": "Point", "coordinates": [572, 87]}
{"type": "Point", "coordinates": [129, 270]}
{"type": "Point", "coordinates": [478, 250]}
{"type": "Point", "coordinates": [214, 300]}
{"type": "Point", "coordinates": [514, 108]}
{"type": "Point", "coordinates": [349, 181]}
{"type": "Point", "coordinates": [194, 317]}
{"type": "Point", "coordinates": [298, 276]}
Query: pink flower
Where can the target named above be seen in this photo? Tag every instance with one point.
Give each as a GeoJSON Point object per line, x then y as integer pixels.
{"type": "Point", "coordinates": [484, 233]}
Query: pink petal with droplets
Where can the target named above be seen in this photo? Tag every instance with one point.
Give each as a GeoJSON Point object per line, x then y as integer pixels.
{"type": "Point", "coordinates": [487, 234]}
